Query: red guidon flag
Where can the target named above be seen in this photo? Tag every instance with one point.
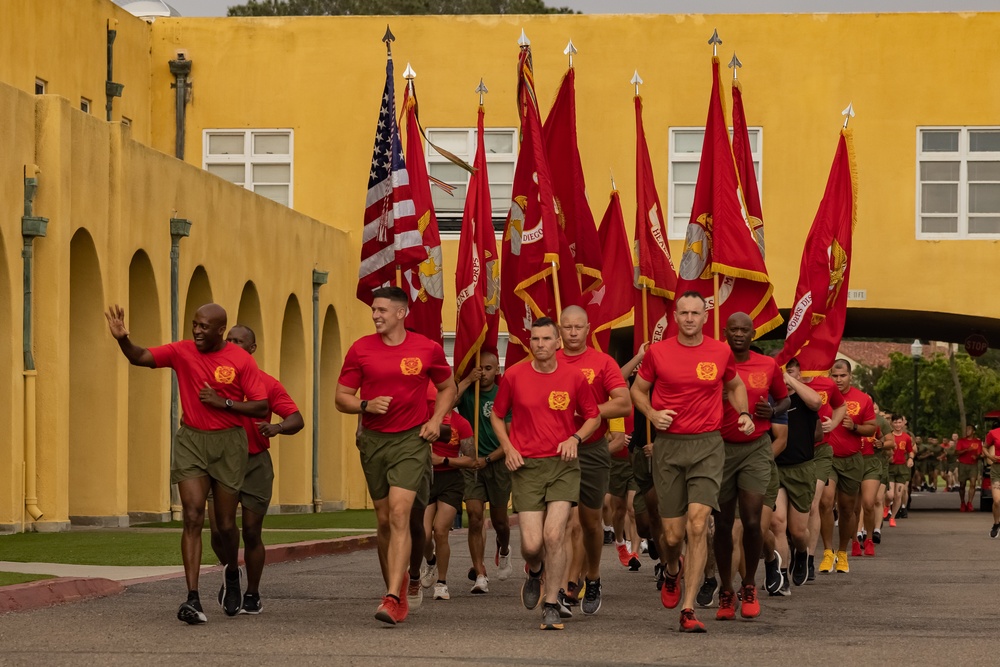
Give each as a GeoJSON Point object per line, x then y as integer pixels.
{"type": "Point", "coordinates": [531, 235]}
{"type": "Point", "coordinates": [655, 276]}
{"type": "Point", "coordinates": [816, 324]}
{"type": "Point", "coordinates": [611, 303]}
{"type": "Point", "coordinates": [477, 271]}
{"type": "Point", "coordinates": [390, 240]}
{"type": "Point", "coordinates": [575, 217]}
{"type": "Point", "coordinates": [425, 283]}
{"type": "Point", "coordinates": [719, 236]}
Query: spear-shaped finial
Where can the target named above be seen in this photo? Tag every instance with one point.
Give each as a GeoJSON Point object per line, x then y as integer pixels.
{"type": "Point", "coordinates": [388, 38]}
{"type": "Point", "coordinates": [523, 40]}
{"type": "Point", "coordinates": [569, 51]}
{"type": "Point", "coordinates": [735, 64]}
{"type": "Point", "coordinates": [408, 73]}
{"type": "Point", "coordinates": [636, 81]}
{"type": "Point", "coordinates": [848, 114]}
{"type": "Point", "coordinates": [482, 90]}
{"type": "Point", "coordinates": [613, 186]}
{"type": "Point", "coordinates": [715, 42]}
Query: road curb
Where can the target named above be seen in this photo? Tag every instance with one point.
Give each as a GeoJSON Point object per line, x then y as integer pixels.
{"type": "Point", "coordinates": [50, 592]}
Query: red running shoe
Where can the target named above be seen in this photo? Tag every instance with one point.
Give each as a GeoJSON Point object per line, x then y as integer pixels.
{"type": "Point", "coordinates": [623, 554]}
{"type": "Point", "coordinates": [727, 606]}
{"type": "Point", "coordinates": [751, 605]}
{"type": "Point", "coordinates": [892, 522]}
{"type": "Point", "coordinates": [885, 513]}
{"type": "Point", "coordinates": [404, 603]}
{"type": "Point", "coordinates": [388, 611]}
{"type": "Point", "coordinates": [689, 623]}
{"type": "Point", "coordinates": [855, 548]}
{"type": "Point", "coordinates": [869, 547]}
{"type": "Point", "coordinates": [670, 594]}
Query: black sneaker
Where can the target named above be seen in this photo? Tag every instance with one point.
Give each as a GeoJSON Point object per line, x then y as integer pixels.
{"type": "Point", "coordinates": [784, 590]}
{"type": "Point", "coordinates": [550, 618]}
{"type": "Point", "coordinates": [812, 570]}
{"type": "Point", "coordinates": [658, 575]}
{"type": "Point", "coordinates": [772, 571]}
{"type": "Point", "coordinates": [609, 537]}
{"type": "Point", "coordinates": [800, 567]}
{"type": "Point", "coordinates": [995, 530]}
{"type": "Point", "coordinates": [563, 604]}
{"type": "Point", "coordinates": [572, 596]}
{"type": "Point", "coordinates": [591, 597]}
{"type": "Point", "coordinates": [903, 513]}
{"type": "Point", "coordinates": [652, 549]}
{"type": "Point", "coordinates": [706, 594]}
{"type": "Point", "coordinates": [472, 574]}
{"type": "Point", "coordinates": [877, 536]}
{"type": "Point", "coordinates": [232, 596]}
{"type": "Point", "coordinates": [251, 604]}
{"type": "Point", "coordinates": [634, 564]}
{"type": "Point", "coordinates": [191, 613]}
{"type": "Point", "coordinates": [531, 591]}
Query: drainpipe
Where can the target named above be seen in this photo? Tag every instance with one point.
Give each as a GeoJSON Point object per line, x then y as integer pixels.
{"type": "Point", "coordinates": [179, 228]}
{"type": "Point", "coordinates": [181, 69]}
{"type": "Point", "coordinates": [31, 227]}
{"type": "Point", "coordinates": [319, 278]}
{"type": "Point", "coordinates": [111, 89]}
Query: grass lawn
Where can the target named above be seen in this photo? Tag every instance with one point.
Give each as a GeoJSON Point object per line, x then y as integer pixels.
{"type": "Point", "coordinates": [8, 578]}
{"type": "Point", "coordinates": [330, 520]}
{"type": "Point", "coordinates": [119, 547]}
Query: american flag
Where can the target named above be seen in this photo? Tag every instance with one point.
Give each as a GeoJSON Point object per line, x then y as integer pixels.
{"type": "Point", "coordinates": [391, 238]}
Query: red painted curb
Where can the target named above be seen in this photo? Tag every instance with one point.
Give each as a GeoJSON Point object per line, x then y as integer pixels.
{"type": "Point", "coordinates": [49, 592]}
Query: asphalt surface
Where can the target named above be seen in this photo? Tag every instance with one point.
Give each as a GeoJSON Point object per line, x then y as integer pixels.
{"type": "Point", "coordinates": [929, 597]}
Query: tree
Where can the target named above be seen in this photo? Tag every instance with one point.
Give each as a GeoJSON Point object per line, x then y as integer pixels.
{"type": "Point", "coordinates": [391, 7]}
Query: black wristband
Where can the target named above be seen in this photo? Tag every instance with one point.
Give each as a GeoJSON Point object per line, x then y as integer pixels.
{"type": "Point", "coordinates": [446, 462]}
{"type": "Point", "coordinates": [746, 413]}
{"type": "Point", "coordinates": [579, 440]}
{"type": "Point", "coordinates": [364, 406]}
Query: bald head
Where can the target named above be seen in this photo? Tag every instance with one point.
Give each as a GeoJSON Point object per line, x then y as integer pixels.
{"type": "Point", "coordinates": [213, 312]}
{"type": "Point", "coordinates": [574, 327]}
{"type": "Point", "coordinates": [739, 333]}
{"type": "Point", "coordinates": [574, 312]}
{"type": "Point", "coordinates": [739, 319]}
{"type": "Point", "coordinates": [208, 328]}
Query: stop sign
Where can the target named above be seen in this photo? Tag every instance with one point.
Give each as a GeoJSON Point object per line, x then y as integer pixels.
{"type": "Point", "coordinates": [976, 345]}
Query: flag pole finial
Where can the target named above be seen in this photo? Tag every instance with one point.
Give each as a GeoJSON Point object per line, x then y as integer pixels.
{"type": "Point", "coordinates": [636, 81]}
{"type": "Point", "coordinates": [482, 90]}
{"type": "Point", "coordinates": [569, 51]}
{"type": "Point", "coordinates": [613, 186]}
{"type": "Point", "coordinates": [523, 40]}
{"type": "Point", "coordinates": [388, 38]}
{"type": "Point", "coordinates": [848, 114]}
{"type": "Point", "coordinates": [735, 64]}
{"type": "Point", "coordinates": [715, 41]}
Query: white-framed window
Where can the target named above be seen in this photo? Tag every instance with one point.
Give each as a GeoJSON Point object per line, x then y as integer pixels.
{"type": "Point", "coordinates": [41, 85]}
{"type": "Point", "coordinates": [685, 158]}
{"type": "Point", "coordinates": [259, 160]}
{"type": "Point", "coordinates": [449, 347]}
{"type": "Point", "coordinates": [501, 158]}
{"type": "Point", "coordinates": [84, 105]}
{"type": "Point", "coordinates": [958, 183]}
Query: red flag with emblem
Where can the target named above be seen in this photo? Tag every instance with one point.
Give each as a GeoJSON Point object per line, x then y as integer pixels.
{"type": "Point", "coordinates": [816, 324]}
{"type": "Point", "coordinates": [654, 270]}
{"type": "Point", "coordinates": [611, 303]}
{"type": "Point", "coordinates": [425, 283]}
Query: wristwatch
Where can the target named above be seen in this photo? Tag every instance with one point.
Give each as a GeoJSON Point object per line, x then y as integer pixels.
{"type": "Point", "coordinates": [746, 413]}
{"type": "Point", "coordinates": [446, 462]}
{"type": "Point", "coordinates": [229, 403]}
{"type": "Point", "coordinates": [364, 406]}
{"type": "Point", "coordinates": [579, 440]}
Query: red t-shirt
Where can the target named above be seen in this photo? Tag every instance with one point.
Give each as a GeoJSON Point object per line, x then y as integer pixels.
{"type": "Point", "coordinates": [832, 399]}
{"type": "Point", "coordinates": [868, 443]}
{"type": "Point", "coordinates": [400, 371]}
{"type": "Point", "coordinates": [761, 376]}
{"type": "Point", "coordinates": [860, 409]}
{"type": "Point", "coordinates": [279, 402]}
{"type": "Point", "coordinates": [968, 450]}
{"type": "Point", "coordinates": [993, 439]}
{"type": "Point", "coordinates": [623, 453]}
{"type": "Point", "coordinates": [543, 407]}
{"type": "Point", "coordinates": [231, 372]}
{"type": "Point", "coordinates": [603, 375]}
{"type": "Point", "coordinates": [904, 447]}
{"type": "Point", "coordinates": [688, 380]}
{"type": "Point", "coordinates": [461, 430]}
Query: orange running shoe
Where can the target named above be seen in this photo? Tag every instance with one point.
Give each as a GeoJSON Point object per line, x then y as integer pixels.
{"type": "Point", "coordinates": [670, 593]}
{"type": "Point", "coordinates": [869, 547]}
{"type": "Point", "coordinates": [892, 522]}
{"type": "Point", "coordinates": [624, 555]}
{"type": "Point", "coordinates": [751, 605]}
{"type": "Point", "coordinates": [404, 603]}
{"type": "Point", "coordinates": [727, 606]}
{"type": "Point", "coordinates": [855, 548]}
{"type": "Point", "coordinates": [689, 623]}
{"type": "Point", "coordinates": [388, 611]}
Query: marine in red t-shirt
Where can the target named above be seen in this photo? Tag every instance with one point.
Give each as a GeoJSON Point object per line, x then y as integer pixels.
{"type": "Point", "coordinates": [902, 449]}
{"type": "Point", "coordinates": [968, 450]}
{"type": "Point", "coordinates": [860, 409]}
{"type": "Point", "coordinates": [603, 375]}
{"type": "Point", "coordinates": [762, 377]}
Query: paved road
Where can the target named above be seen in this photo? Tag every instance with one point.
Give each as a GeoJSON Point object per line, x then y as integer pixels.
{"type": "Point", "coordinates": [928, 598]}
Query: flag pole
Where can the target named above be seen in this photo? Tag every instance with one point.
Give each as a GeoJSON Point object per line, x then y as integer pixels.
{"type": "Point", "coordinates": [555, 288]}
{"type": "Point", "coordinates": [645, 341]}
{"type": "Point", "coordinates": [715, 303]}
{"type": "Point", "coordinates": [388, 38]}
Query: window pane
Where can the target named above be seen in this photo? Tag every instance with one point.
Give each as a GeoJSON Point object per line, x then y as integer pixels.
{"type": "Point", "coordinates": [683, 198]}
{"type": "Point", "coordinates": [984, 225]}
{"type": "Point", "coordinates": [984, 142]}
{"type": "Point", "coordinates": [448, 172]}
{"type": "Point", "coordinates": [234, 173]}
{"type": "Point", "coordinates": [271, 144]}
{"type": "Point", "coordinates": [453, 141]}
{"type": "Point", "coordinates": [939, 171]}
{"type": "Point", "coordinates": [984, 171]}
{"type": "Point", "coordinates": [225, 144]}
{"type": "Point", "coordinates": [938, 198]}
{"type": "Point", "coordinates": [984, 198]}
{"type": "Point", "coordinates": [501, 172]}
{"type": "Point", "coordinates": [939, 225]}
{"type": "Point", "coordinates": [445, 203]}
{"type": "Point", "coordinates": [939, 141]}
{"type": "Point", "coordinates": [500, 196]}
{"type": "Point", "coordinates": [278, 193]}
{"type": "Point", "coordinates": [678, 227]}
{"type": "Point", "coordinates": [685, 172]}
{"type": "Point", "coordinates": [272, 173]}
{"type": "Point", "coordinates": [754, 138]}
{"type": "Point", "coordinates": [688, 141]}
{"type": "Point", "coordinates": [499, 142]}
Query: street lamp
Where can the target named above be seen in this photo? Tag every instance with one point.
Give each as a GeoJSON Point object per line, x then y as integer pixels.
{"type": "Point", "coordinates": [917, 352]}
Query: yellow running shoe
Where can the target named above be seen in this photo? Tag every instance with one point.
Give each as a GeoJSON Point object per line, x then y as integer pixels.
{"type": "Point", "coordinates": [826, 567]}
{"type": "Point", "coordinates": [842, 567]}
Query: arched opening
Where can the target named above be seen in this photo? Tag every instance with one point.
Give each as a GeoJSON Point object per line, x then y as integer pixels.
{"type": "Point", "coordinates": [293, 463]}
{"type": "Point", "coordinates": [198, 294]}
{"type": "Point", "coordinates": [148, 431]}
{"type": "Point", "coordinates": [249, 314]}
{"type": "Point", "coordinates": [11, 448]}
{"type": "Point", "coordinates": [332, 451]}
{"type": "Point", "coordinates": [96, 478]}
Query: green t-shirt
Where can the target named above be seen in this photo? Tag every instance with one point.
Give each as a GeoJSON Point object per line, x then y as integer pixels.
{"type": "Point", "coordinates": [488, 442]}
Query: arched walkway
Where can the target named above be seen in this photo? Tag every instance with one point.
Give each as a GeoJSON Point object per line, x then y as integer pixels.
{"type": "Point", "coordinates": [249, 314]}
{"type": "Point", "coordinates": [199, 293]}
{"type": "Point", "coordinates": [11, 448]}
{"type": "Point", "coordinates": [332, 450]}
{"type": "Point", "coordinates": [294, 470]}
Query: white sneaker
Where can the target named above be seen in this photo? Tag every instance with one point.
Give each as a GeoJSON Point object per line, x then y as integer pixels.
{"type": "Point", "coordinates": [481, 586]}
{"type": "Point", "coordinates": [414, 596]}
{"type": "Point", "coordinates": [644, 547]}
{"type": "Point", "coordinates": [428, 574]}
{"type": "Point", "coordinates": [628, 545]}
{"type": "Point", "coordinates": [441, 591]}
{"type": "Point", "coordinates": [504, 570]}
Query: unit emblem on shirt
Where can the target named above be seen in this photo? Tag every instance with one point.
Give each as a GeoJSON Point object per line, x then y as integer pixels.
{"type": "Point", "coordinates": [853, 408]}
{"type": "Point", "coordinates": [559, 400]}
{"type": "Point", "coordinates": [589, 374]}
{"type": "Point", "coordinates": [411, 366]}
{"type": "Point", "coordinates": [824, 396]}
{"type": "Point", "coordinates": [225, 374]}
{"type": "Point", "coordinates": [758, 380]}
{"type": "Point", "coordinates": [707, 370]}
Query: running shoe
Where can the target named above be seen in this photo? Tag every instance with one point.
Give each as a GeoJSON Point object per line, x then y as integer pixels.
{"type": "Point", "coordinates": [786, 585]}
{"type": "Point", "coordinates": [860, 537]}
{"type": "Point", "coordinates": [855, 548]}
{"type": "Point", "coordinates": [623, 554]}
{"type": "Point", "coordinates": [885, 513]}
{"type": "Point", "coordinates": [892, 522]}
{"type": "Point", "coordinates": [877, 536]}
{"type": "Point", "coordinates": [609, 536]}
{"type": "Point", "coordinates": [658, 575]}
{"type": "Point", "coordinates": [634, 563]}
{"type": "Point", "coordinates": [870, 547]}
{"type": "Point", "coordinates": [415, 593]}
{"type": "Point", "coordinates": [504, 569]}
{"type": "Point", "coordinates": [232, 596]}
{"type": "Point", "coordinates": [651, 550]}
{"type": "Point", "coordinates": [670, 594]}
{"type": "Point", "coordinates": [191, 612]}
{"type": "Point", "coordinates": [772, 574]}
{"type": "Point", "coordinates": [689, 623]}
{"type": "Point", "coordinates": [482, 586]}
{"type": "Point", "coordinates": [472, 573]}
{"type": "Point", "coordinates": [550, 618]}
{"type": "Point", "coordinates": [389, 611]}
{"type": "Point", "coordinates": [727, 606]}
{"type": "Point", "coordinates": [905, 513]}
{"type": "Point", "coordinates": [995, 530]}
{"type": "Point", "coordinates": [564, 610]}
{"type": "Point", "coordinates": [842, 566]}
{"type": "Point", "coordinates": [591, 597]}
{"type": "Point", "coordinates": [750, 607]}
{"type": "Point", "coordinates": [441, 591]}
{"type": "Point", "coordinates": [428, 574]}
{"type": "Point", "coordinates": [826, 567]}
{"type": "Point", "coordinates": [800, 567]}
{"type": "Point", "coordinates": [531, 590]}
{"type": "Point", "coordinates": [251, 604]}
{"type": "Point", "coordinates": [573, 590]}
{"type": "Point", "coordinates": [644, 546]}
{"type": "Point", "coordinates": [812, 570]}
{"type": "Point", "coordinates": [706, 594]}
{"type": "Point", "coordinates": [403, 609]}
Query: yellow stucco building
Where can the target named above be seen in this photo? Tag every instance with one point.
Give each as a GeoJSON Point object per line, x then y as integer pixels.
{"type": "Point", "coordinates": [287, 108]}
